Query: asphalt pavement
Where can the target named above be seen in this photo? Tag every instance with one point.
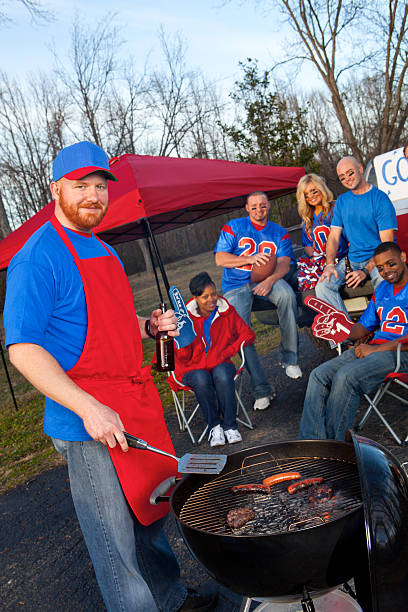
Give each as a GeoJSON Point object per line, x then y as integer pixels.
{"type": "Point", "coordinates": [44, 564]}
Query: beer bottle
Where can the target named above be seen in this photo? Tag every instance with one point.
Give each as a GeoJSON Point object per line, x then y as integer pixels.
{"type": "Point", "coordinates": [164, 349]}
{"type": "Point", "coordinates": [348, 268]}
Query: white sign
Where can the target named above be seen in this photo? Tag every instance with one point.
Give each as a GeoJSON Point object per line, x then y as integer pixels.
{"type": "Point", "coordinates": [392, 174]}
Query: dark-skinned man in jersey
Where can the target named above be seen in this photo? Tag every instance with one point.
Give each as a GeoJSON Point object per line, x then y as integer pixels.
{"type": "Point", "coordinates": [334, 388]}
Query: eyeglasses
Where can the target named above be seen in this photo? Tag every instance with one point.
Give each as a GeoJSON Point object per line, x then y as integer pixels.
{"type": "Point", "coordinates": [349, 174]}
{"type": "Point", "coordinates": [312, 194]}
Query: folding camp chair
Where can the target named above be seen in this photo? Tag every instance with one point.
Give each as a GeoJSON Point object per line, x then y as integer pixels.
{"type": "Point", "coordinates": [397, 377]}
{"type": "Point", "coordinates": [180, 404]}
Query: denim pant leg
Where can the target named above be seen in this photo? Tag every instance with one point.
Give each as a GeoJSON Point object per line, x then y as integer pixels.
{"type": "Point", "coordinates": [241, 299]}
{"type": "Point", "coordinates": [134, 573]}
{"type": "Point", "coordinates": [313, 424]}
{"type": "Point", "coordinates": [375, 276]}
{"type": "Point", "coordinates": [202, 384]}
{"type": "Point", "coordinates": [223, 377]}
{"type": "Point", "coordinates": [351, 381]}
{"type": "Point", "coordinates": [283, 296]}
{"type": "Point", "coordinates": [329, 290]}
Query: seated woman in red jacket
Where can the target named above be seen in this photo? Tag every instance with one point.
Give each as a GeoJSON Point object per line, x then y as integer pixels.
{"type": "Point", "coordinates": [205, 365]}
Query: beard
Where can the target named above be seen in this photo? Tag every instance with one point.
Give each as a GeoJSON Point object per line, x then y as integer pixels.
{"type": "Point", "coordinates": [78, 216]}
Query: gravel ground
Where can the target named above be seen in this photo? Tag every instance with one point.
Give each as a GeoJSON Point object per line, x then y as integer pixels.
{"type": "Point", "coordinates": [44, 564]}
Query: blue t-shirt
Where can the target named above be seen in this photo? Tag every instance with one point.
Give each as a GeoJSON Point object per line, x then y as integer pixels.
{"type": "Point", "coordinates": [362, 217]}
{"type": "Point", "coordinates": [388, 311]}
{"type": "Point", "coordinates": [240, 237]}
{"type": "Point", "coordinates": [207, 329]}
{"type": "Point", "coordinates": [320, 231]}
{"type": "Point", "coordinates": [45, 305]}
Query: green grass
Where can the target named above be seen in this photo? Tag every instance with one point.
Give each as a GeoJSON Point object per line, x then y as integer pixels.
{"type": "Point", "coordinates": [24, 450]}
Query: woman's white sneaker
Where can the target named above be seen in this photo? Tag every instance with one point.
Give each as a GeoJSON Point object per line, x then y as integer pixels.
{"type": "Point", "coordinates": [232, 435]}
{"type": "Point", "coordinates": [262, 403]}
{"type": "Point", "coordinates": [293, 371]}
{"type": "Point", "coordinates": [216, 436]}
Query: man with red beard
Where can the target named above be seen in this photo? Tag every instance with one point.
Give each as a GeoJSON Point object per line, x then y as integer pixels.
{"type": "Point", "coordinates": [72, 331]}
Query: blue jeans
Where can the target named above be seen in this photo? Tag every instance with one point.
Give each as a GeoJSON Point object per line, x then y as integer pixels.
{"type": "Point", "coordinates": [329, 290]}
{"type": "Point", "coordinates": [210, 386]}
{"type": "Point", "coordinates": [134, 565]}
{"type": "Point", "coordinates": [283, 297]}
{"type": "Point", "coordinates": [334, 390]}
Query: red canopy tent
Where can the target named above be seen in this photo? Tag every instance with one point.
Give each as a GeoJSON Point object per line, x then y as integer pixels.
{"type": "Point", "coordinates": [170, 192]}
{"type": "Point", "coordinates": [157, 194]}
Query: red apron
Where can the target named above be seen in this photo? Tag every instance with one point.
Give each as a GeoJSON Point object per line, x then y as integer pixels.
{"type": "Point", "coordinates": [110, 369]}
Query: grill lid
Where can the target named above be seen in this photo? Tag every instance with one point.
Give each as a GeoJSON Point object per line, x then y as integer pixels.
{"type": "Point", "coordinates": [384, 487]}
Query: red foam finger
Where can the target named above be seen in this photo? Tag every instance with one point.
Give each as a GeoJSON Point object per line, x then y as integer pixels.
{"type": "Point", "coordinates": [334, 326]}
{"type": "Point", "coordinates": [319, 305]}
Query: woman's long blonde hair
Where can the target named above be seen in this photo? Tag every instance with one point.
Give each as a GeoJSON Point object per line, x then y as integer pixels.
{"type": "Point", "coordinates": [305, 210]}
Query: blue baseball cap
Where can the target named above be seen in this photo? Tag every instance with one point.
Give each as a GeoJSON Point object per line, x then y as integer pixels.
{"type": "Point", "coordinates": [78, 160]}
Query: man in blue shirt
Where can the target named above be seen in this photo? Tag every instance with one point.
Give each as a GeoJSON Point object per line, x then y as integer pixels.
{"type": "Point", "coordinates": [72, 331]}
{"type": "Point", "coordinates": [334, 388]}
{"type": "Point", "coordinates": [242, 243]}
{"type": "Point", "coordinates": [367, 216]}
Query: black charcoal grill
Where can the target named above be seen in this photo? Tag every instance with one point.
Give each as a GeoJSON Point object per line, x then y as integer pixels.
{"type": "Point", "coordinates": [294, 547]}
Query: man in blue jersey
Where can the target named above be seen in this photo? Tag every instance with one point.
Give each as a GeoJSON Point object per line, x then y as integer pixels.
{"type": "Point", "coordinates": [72, 330]}
{"type": "Point", "coordinates": [367, 216]}
{"type": "Point", "coordinates": [334, 388]}
{"type": "Point", "coordinates": [242, 243]}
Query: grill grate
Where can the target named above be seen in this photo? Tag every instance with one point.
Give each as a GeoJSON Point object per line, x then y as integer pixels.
{"type": "Point", "coordinates": [278, 512]}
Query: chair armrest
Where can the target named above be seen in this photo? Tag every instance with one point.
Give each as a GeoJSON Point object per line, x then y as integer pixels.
{"type": "Point", "coordinates": [241, 352]}
{"type": "Point", "coordinates": [398, 365]}
{"type": "Point", "coordinates": [175, 384]}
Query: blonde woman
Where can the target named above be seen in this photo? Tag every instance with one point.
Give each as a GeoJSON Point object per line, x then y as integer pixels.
{"type": "Point", "coordinates": [315, 206]}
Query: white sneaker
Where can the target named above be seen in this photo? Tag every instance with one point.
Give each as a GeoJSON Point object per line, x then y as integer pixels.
{"type": "Point", "coordinates": [293, 371]}
{"type": "Point", "coordinates": [216, 436]}
{"type": "Point", "coordinates": [232, 435]}
{"type": "Point", "coordinates": [262, 403]}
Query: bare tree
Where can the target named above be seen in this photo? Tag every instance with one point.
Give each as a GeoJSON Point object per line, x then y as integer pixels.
{"type": "Point", "coordinates": [36, 10]}
{"type": "Point", "coordinates": [5, 228]}
{"type": "Point", "coordinates": [179, 101]}
{"type": "Point", "coordinates": [31, 131]}
{"type": "Point", "coordinates": [393, 25]}
{"type": "Point", "coordinates": [168, 96]}
{"type": "Point", "coordinates": [206, 139]}
{"type": "Point", "coordinates": [326, 28]}
{"type": "Point", "coordinates": [320, 27]}
{"type": "Point", "coordinates": [92, 71]}
{"type": "Point", "coordinates": [126, 114]}
{"type": "Point", "coordinates": [326, 135]}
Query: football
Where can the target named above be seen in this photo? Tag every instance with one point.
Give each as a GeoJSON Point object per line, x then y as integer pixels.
{"type": "Point", "coordinates": [261, 271]}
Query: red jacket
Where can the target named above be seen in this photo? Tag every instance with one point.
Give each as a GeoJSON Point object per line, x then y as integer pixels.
{"type": "Point", "coordinates": [227, 333]}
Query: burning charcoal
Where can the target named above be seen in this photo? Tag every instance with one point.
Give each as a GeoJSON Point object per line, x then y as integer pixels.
{"type": "Point", "coordinates": [238, 517]}
{"type": "Point", "coordinates": [320, 493]}
{"type": "Point", "coordinates": [251, 488]}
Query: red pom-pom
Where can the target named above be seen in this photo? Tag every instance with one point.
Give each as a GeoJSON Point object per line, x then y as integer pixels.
{"type": "Point", "coordinates": [261, 271]}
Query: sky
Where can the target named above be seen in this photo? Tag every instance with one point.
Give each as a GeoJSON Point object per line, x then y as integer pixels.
{"type": "Point", "coordinates": [218, 34]}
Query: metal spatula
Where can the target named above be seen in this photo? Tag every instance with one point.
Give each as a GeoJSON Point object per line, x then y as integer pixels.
{"type": "Point", "coordinates": [188, 463]}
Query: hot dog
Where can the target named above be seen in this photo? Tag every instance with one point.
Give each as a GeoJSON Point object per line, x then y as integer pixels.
{"type": "Point", "coordinates": [303, 484]}
{"type": "Point", "coordinates": [272, 480]}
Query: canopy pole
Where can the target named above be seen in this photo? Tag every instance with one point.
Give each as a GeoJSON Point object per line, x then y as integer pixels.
{"type": "Point", "coordinates": [152, 240]}
{"type": "Point", "coordinates": [154, 269]}
{"type": "Point", "coordinates": [8, 376]}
